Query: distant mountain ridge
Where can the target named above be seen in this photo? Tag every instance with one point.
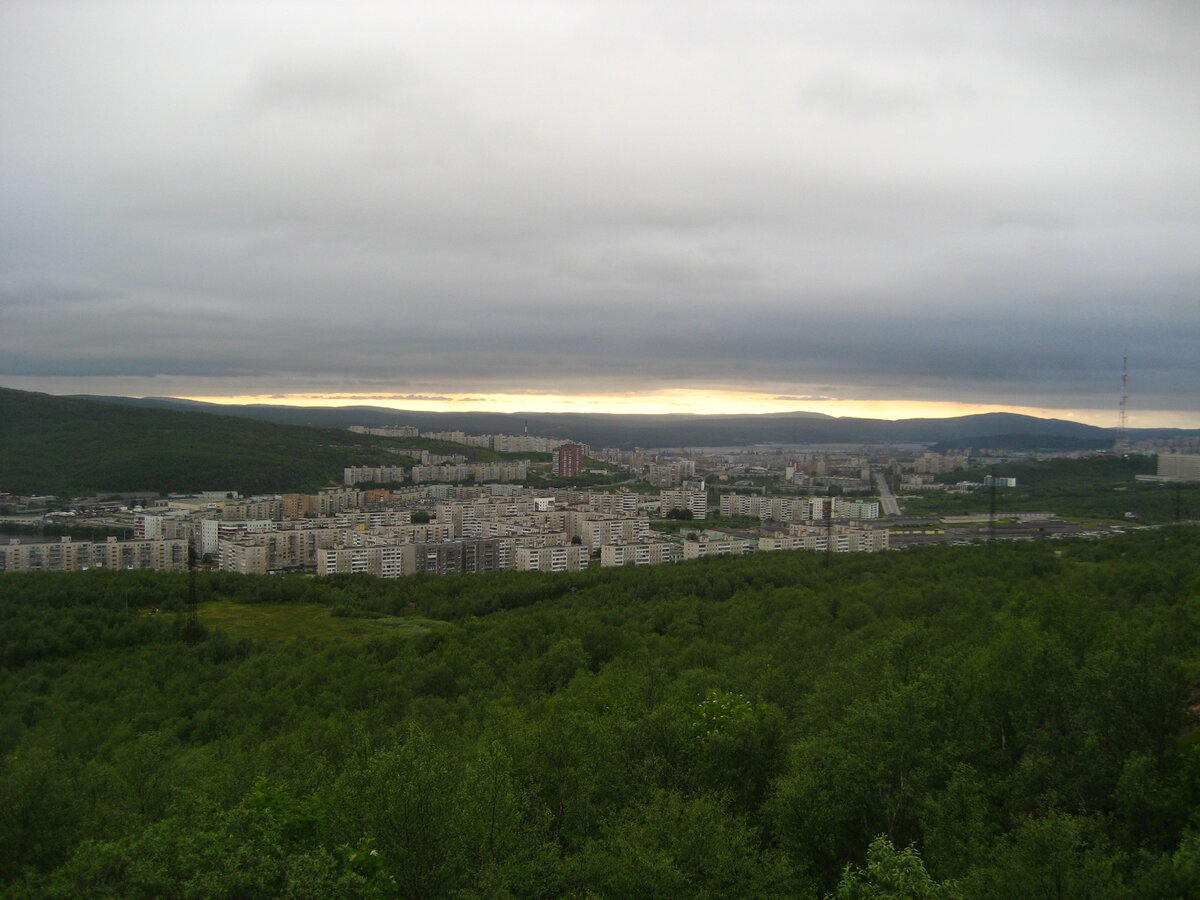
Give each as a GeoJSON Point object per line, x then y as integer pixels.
{"type": "Point", "coordinates": [672, 430]}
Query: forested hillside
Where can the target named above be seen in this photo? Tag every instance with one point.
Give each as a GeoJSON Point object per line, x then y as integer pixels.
{"type": "Point", "coordinates": [52, 445]}
{"type": "Point", "coordinates": [744, 727]}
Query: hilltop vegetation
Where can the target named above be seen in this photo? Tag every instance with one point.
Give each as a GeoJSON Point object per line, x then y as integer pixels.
{"type": "Point", "coordinates": [52, 445]}
{"type": "Point", "coordinates": [739, 727]}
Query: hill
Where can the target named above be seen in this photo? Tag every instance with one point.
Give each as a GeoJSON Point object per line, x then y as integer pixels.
{"type": "Point", "coordinates": [777, 726]}
{"type": "Point", "coordinates": [67, 447]}
{"type": "Point", "coordinates": [678, 430]}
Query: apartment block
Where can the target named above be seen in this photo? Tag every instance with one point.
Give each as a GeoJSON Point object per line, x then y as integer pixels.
{"type": "Point", "coordinates": [617, 503]}
{"type": "Point", "coordinates": [1179, 466]}
{"type": "Point", "coordinates": [388, 430]}
{"type": "Point", "coordinates": [567, 558]}
{"type": "Point", "coordinates": [353, 475]}
{"type": "Point", "coordinates": [724, 547]}
{"type": "Point", "coordinates": [651, 554]}
{"type": "Point", "coordinates": [567, 460]}
{"type": "Point", "coordinates": [797, 509]}
{"type": "Point", "coordinates": [67, 555]}
{"type": "Point", "coordinates": [498, 471]}
{"type": "Point", "coordinates": [374, 518]}
{"type": "Point", "coordinates": [279, 550]}
{"type": "Point", "coordinates": [332, 501]}
{"type": "Point", "coordinates": [846, 539]}
{"type": "Point", "coordinates": [213, 531]}
{"type": "Point", "coordinates": [434, 558]}
{"type": "Point", "coordinates": [253, 508]}
{"type": "Point", "coordinates": [695, 502]}
{"type": "Point", "coordinates": [999, 481]}
{"type": "Point", "coordinates": [597, 529]}
{"type": "Point", "coordinates": [157, 526]}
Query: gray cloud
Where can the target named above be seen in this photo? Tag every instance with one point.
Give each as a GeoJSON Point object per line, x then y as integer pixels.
{"type": "Point", "coordinates": [982, 202]}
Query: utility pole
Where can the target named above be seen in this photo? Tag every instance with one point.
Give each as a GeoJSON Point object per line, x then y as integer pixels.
{"type": "Point", "coordinates": [1122, 444]}
{"type": "Point", "coordinates": [992, 506]}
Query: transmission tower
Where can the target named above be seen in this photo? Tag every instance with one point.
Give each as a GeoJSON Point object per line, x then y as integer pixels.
{"type": "Point", "coordinates": [829, 532]}
{"type": "Point", "coordinates": [992, 506]}
{"type": "Point", "coordinates": [192, 632]}
{"type": "Point", "coordinates": [1122, 444]}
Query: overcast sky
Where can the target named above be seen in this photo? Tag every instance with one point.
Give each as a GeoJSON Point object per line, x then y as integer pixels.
{"type": "Point", "coordinates": [883, 200]}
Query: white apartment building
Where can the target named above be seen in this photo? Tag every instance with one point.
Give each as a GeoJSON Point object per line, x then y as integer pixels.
{"type": "Point", "coordinates": [212, 531]}
{"type": "Point", "coordinates": [620, 503]}
{"type": "Point", "coordinates": [1179, 466]}
{"type": "Point", "coordinates": [695, 502]}
{"type": "Point", "coordinates": [388, 430]}
{"type": "Point", "coordinates": [855, 509]}
{"type": "Point", "coordinates": [253, 508]}
{"type": "Point", "coordinates": [332, 501]}
{"type": "Point", "coordinates": [495, 471]}
{"type": "Point", "coordinates": [597, 529]}
{"type": "Point", "coordinates": [383, 561]}
{"type": "Point", "coordinates": [426, 532]}
{"type": "Point", "coordinates": [797, 509]}
{"type": "Point", "coordinates": [273, 551]}
{"type": "Point", "coordinates": [567, 558]}
{"type": "Point", "coordinates": [650, 554]}
{"type": "Point", "coordinates": [670, 474]}
{"type": "Point", "coordinates": [157, 526]}
{"type": "Point", "coordinates": [522, 443]}
{"type": "Point", "coordinates": [353, 475]}
{"type": "Point", "coordinates": [66, 555]}
{"type": "Point", "coordinates": [374, 518]}
{"type": "Point", "coordinates": [846, 539]}
{"type": "Point", "coordinates": [723, 547]}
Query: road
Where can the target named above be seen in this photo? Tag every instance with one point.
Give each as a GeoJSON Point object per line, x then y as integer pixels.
{"type": "Point", "coordinates": [886, 498]}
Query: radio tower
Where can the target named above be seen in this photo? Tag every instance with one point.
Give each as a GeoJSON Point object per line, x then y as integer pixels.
{"type": "Point", "coordinates": [1122, 444]}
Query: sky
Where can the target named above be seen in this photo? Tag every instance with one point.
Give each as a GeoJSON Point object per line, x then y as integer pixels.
{"type": "Point", "coordinates": [870, 207]}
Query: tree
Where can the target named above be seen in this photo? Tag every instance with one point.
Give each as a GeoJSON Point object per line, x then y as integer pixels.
{"type": "Point", "coordinates": [891, 873]}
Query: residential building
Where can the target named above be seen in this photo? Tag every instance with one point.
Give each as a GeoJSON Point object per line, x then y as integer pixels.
{"type": "Point", "coordinates": [568, 460]}
{"type": "Point", "coordinates": [353, 475]}
{"type": "Point", "coordinates": [66, 555]}
{"type": "Point", "coordinates": [721, 547]}
{"type": "Point", "coordinates": [648, 554]}
{"type": "Point", "coordinates": [695, 502]}
{"type": "Point", "coordinates": [1179, 466]}
{"type": "Point", "coordinates": [567, 558]}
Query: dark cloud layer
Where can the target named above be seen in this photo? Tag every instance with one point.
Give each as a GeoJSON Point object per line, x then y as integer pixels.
{"type": "Point", "coordinates": [922, 200]}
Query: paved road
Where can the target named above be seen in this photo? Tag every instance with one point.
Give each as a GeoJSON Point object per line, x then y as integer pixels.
{"type": "Point", "coordinates": [886, 498]}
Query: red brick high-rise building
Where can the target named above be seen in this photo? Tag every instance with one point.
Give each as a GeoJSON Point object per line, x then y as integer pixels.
{"type": "Point", "coordinates": [568, 460]}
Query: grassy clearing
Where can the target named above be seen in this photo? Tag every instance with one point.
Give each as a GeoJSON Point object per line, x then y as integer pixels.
{"type": "Point", "coordinates": [288, 621]}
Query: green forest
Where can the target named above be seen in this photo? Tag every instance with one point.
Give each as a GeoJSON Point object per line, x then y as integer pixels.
{"type": "Point", "coordinates": [54, 445]}
{"type": "Point", "coordinates": [999, 721]}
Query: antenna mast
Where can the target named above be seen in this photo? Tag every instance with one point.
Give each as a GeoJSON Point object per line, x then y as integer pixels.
{"type": "Point", "coordinates": [1122, 444]}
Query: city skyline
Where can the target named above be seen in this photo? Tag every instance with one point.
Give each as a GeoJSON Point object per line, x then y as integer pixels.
{"type": "Point", "coordinates": [886, 210]}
